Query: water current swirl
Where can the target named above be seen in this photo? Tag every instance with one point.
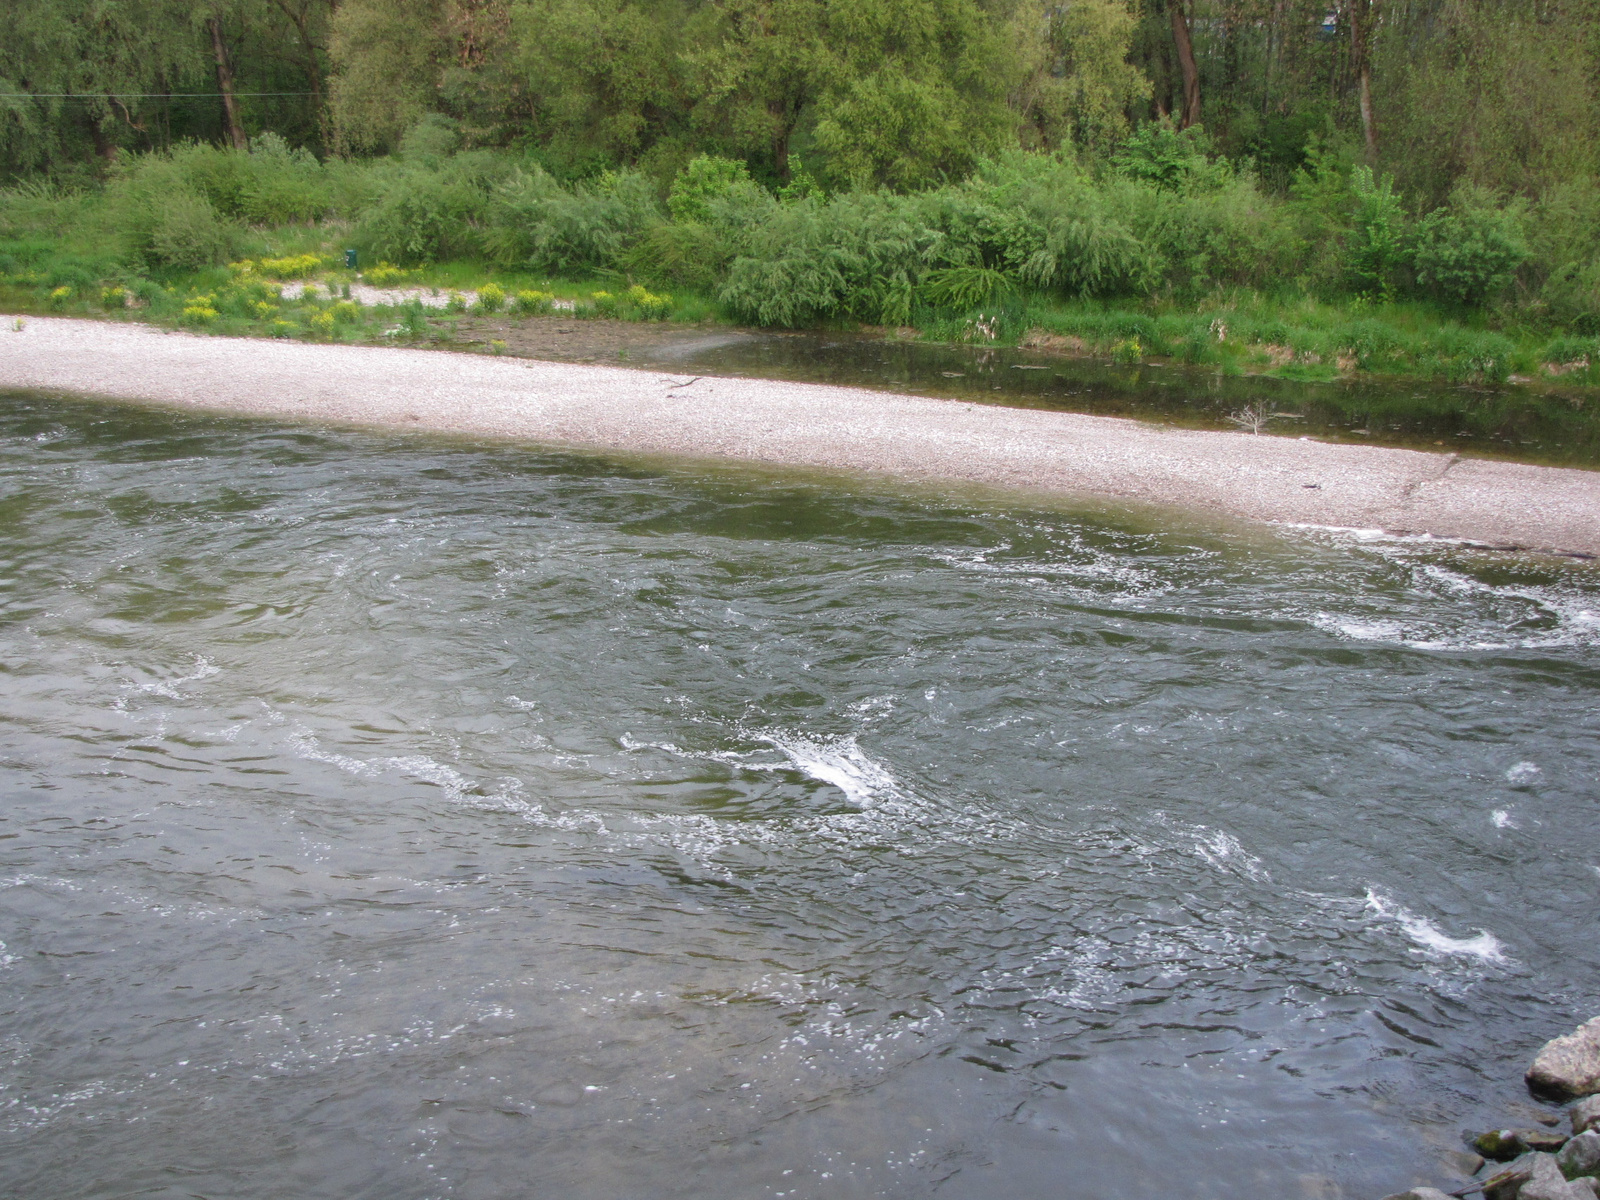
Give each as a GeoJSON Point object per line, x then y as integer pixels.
{"type": "Point", "coordinates": [388, 816]}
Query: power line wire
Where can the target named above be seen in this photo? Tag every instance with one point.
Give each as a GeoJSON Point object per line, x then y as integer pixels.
{"type": "Point", "coordinates": [137, 95]}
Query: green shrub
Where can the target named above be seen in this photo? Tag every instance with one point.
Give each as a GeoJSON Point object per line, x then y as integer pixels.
{"type": "Point", "coordinates": [1127, 352]}
{"type": "Point", "coordinates": [414, 320]}
{"type": "Point", "coordinates": [1376, 244]}
{"type": "Point", "coordinates": [535, 222]}
{"type": "Point", "coordinates": [529, 303]}
{"type": "Point", "coordinates": [1463, 355]}
{"type": "Point", "coordinates": [386, 273]}
{"type": "Point", "coordinates": [855, 256]}
{"type": "Point", "coordinates": [491, 299]}
{"type": "Point", "coordinates": [959, 289]}
{"type": "Point", "coordinates": [707, 180]}
{"type": "Point", "coordinates": [164, 222]}
{"type": "Point", "coordinates": [60, 297]}
{"type": "Point", "coordinates": [1166, 157]}
{"type": "Point", "coordinates": [1569, 351]}
{"type": "Point", "coordinates": [425, 214]}
{"type": "Point", "coordinates": [649, 306]}
{"type": "Point", "coordinates": [1467, 253]}
{"type": "Point", "coordinates": [295, 266]}
{"type": "Point", "coordinates": [270, 184]}
{"type": "Point", "coordinates": [604, 304]}
{"type": "Point", "coordinates": [1372, 343]}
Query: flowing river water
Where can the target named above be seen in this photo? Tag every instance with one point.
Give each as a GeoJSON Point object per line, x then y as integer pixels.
{"type": "Point", "coordinates": [392, 816]}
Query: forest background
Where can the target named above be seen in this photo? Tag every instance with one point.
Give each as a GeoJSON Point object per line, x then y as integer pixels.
{"type": "Point", "coordinates": [1409, 185]}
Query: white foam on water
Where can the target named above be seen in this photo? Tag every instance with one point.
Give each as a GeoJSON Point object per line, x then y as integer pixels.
{"type": "Point", "coordinates": [1501, 819]}
{"type": "Point", "coordinates": [1568, 616]}
{"type": "Point", "coordinates": [1227, 853]}
{"type": "Point", "coordinates": [1219, 848]}
{"type": "Point", "coordinates": [169, 688]}
{"type": "Point", "coordinates": [1367, 536]}
{"type": "Point", "coordinates": [506, 796]}
{"type": "Point", "coordinates": [1432, 940]}
{"type": "Point", "coordinates": [1523, 773]}
{"type": "Point", "coordinates": [1370, 630]}
{"type": "Point", "coordinates": [838, 761]}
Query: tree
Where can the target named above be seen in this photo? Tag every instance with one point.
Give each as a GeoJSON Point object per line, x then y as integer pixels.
{"type": "Point", "coordinates": [914, 91]}
{"type": "Point", "coordinates": [1076, 84]}
{"type": "Point", "coordinates": [756, 68]}
{"type": "Point", "coordinates": [1184, 45]}
{"type": "Point", "coordinates": [88, 68]}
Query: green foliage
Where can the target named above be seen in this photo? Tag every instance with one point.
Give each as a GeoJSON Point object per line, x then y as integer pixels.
{"type": "Point", "coordinates": [692, 255]}
{"type": "Point", "coordinates": [962, 289]}
{"type": "Point", "coordinates": [535, 222]}
{"type": "Point", "coordinates": [1464, 261]}
{"type": "Point", "coordinates": [425, 214]}
{"type": "Point", "coordinates": [162, 220]}
{"type": "Point", "coordinates": [529, 303]}
{"type": "Point", "coordinates": [1166, 157]}
{"type": "Point", "coordinates": [1468, 253]}
{"type": "Point", "coordinates": [910, 93]}
{"type": "Point", "coordinates": [708, 180]}
{"type": "Point", "coordinates": [1376, 246]}
{"type": "Point", "coordinates": [491, 299]}
{"type": "Point", "coordinates": [1077, 85]}
{"type": "Point", "coordinates": [648, 305]}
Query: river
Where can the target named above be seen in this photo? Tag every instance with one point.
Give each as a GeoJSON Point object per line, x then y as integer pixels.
{"type": "Point", "coordinates": [395, 816]}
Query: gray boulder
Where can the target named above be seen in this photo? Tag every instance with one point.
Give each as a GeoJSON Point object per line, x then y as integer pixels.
{"type": "Point", "coordinates": [1421, 1193]}
{"type": "Point", "coordinates": [1569, 1066]}
{"type": "Point", "coordinates": [1534, 1170]}
{"type": "Point", "coordinates": [1564, 1189]}
{"type": "Point", "coordinates": [1580, 1156]}
{"type": "Point", "coordinates": [1585, 1115]}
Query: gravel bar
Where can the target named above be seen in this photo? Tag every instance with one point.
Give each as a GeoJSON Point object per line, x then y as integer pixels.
{"type": "Point", "coordinates": [1263, 478]}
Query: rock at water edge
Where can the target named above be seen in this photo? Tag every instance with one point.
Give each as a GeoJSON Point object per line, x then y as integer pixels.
{"type": "Point", "coordinates": [1503, 1144]}
{"type": "Point", "coordinates": [1569, 1066]}
{"type": "Point", "coordinates": [1585, 1115]}
{"type": "Point", "coordinates": [1509, 1182]}
{"type": "Point", "coordinates": [1421, 1193]}
{"type": "Point", "coordinates": [1560, 1189]}
{"type": "Point", "coordinates": [1580, 1156]}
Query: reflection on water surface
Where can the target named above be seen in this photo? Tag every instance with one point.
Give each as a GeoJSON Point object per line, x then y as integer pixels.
{"type": "Point", "coordinates": [396, 817]}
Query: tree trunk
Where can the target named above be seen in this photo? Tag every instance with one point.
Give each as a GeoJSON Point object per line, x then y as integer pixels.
{"type": "Point", "coordinates": [1361, 16]}
{"type": "Point", "coordinates": [104, 147]}
{"type": "Point", "coordinates": [1191, 72]}
{"type": "Point", "coordinates": [230, 106]}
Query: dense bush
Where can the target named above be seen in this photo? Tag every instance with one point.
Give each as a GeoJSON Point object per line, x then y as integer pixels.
{"type": "Point", "coordinates": [534, 221]}
{"type": "Point", "coordinates": [430, 211]}
{"type": "Point", "coordinates": [1377, 235]}
{"type": "Point", "coordinates": [162, 220]}
{"type": "Point", "coordinates": [1467, 253]}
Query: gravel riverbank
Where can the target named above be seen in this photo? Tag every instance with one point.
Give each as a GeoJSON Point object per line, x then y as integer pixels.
{"type": "Point", "coordinates": [774, 422]}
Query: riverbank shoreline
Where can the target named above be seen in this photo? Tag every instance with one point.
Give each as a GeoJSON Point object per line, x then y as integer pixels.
{"type": "Point", "coordinates": [777, 423]}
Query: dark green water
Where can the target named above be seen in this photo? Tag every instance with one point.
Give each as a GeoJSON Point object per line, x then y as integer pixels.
{"type": "Point", "coordinates": [395, 817]}
{"type": "Point", "coordinates": [1550, 424]}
